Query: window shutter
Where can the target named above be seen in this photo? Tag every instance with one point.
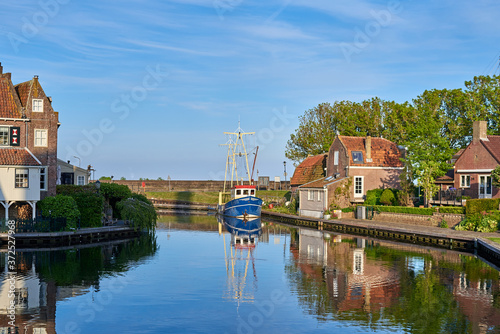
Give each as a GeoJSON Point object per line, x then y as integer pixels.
{"type": "Point", "coordinates": [15, 136]}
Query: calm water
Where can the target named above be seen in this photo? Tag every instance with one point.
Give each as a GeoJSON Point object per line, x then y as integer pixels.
{"type": "Point", "coordinates": [191, 279]}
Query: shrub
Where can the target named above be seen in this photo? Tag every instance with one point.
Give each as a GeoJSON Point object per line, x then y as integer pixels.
{"type": "Point", "coordinates": [91, 207]}
{"type": "Point", "coordinates": [479, 222]}
{"type": "Point", "coordinates": [481, 205]}
{"type": "Point", "coordinates": [443, 224]}
{"type": "Point", "coordinates": [452, 209]}
{"type": "Point", "coordinates": [387, 197]}
{"type": "Point", "coordinates": [405, 209]}
{"type": "Point", "coordinates": [115, 193]}
{"type": "Point", "coordinates": [373, 196]}
{"type": "Point", "coordinates": [60, 206]}
{"type": "Point", "coordinates": [347, 210]}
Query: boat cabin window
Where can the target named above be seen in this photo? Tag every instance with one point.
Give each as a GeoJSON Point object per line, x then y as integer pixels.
{"type": "Point", "coordinates": [252, 192]}
{"type": "Point", "coordinates": [238, 192]}
{"type": "Point", "coordinates": [245, 192]}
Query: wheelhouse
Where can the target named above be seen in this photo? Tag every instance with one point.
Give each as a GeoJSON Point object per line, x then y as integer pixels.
{"type": "Point", "coordinates": [242, 191]}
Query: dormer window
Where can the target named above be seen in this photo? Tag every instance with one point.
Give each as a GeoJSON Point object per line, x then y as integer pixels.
{"type": "Point", "coordinates": [357, 157]}
{"type": "Point", "coordinates": [37, 105]}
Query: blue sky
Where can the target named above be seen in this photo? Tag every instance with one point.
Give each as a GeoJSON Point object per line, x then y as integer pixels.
{"type": "Point", "coordinates": [147, 88]}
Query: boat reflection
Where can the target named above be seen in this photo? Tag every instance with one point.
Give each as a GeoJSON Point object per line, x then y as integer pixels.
{"type": "Point", "coordinates": [239, 256]}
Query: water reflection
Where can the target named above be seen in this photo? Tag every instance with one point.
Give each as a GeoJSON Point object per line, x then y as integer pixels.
{"type": "Point", "coordinates": [241, 282]}
{"type": "Point", "coordinates": [44, 278]}
{"type": "Point", "coordinates": [382, 284]}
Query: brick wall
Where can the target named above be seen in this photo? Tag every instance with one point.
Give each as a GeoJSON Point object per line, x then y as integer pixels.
{"type": "Point", "coordinates": [422, 220]}
{"type": "Point", "coordinates": [184, 185]}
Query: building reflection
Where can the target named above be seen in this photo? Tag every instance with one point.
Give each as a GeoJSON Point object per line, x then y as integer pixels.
{"type": "Point", "coordinates": [44, 278]}
{"type": "Point", "coordinates": [342, 275]}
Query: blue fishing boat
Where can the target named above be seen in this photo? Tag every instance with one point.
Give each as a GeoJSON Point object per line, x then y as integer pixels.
{"type": "Point", "coordinates": [249, 229]}
{"type": "Point", "coordinates": [241, 202]}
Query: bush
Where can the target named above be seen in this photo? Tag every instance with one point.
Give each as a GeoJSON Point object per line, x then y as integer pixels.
{"type": "Point", "coordinates": [481, 205]}
{"type": "Point", "coordinates": [452, 209]}
{"type": "Point", "coordinates": [373, 196]}
{"type": "Point", "coordinates": [479, 222]}
{"type": "Point", "coordinates": [387, 197]}
{"type": "Point", "coordinates": [405, 209]}
{"type": "Point", "coordinates": [115, 193]}
{"type": "Point", "coordinates": [60, 206]}
{"type": "Point", "coordinates": [443, 224]}
{"type": "Point", "coordinates": [90, 206]}
{"type": "Point", "coordinates": [347, 210]}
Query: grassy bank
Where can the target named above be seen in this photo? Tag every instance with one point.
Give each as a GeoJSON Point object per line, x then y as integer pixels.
{"type": "Point", "coordinates": [211, 197]}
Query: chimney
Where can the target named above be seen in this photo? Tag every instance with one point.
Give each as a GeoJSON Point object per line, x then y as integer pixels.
{"type": "Point", "coordinates": [35, 86]}
{"type": "Point", "coordinates": [368, 148]}
{"type": "Point", "coordinates": [1, 68]}
{"type": "Point", "coordinates": [479, 131]}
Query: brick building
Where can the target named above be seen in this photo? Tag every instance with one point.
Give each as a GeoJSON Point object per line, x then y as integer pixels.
{"type": "Point", "coordinates": [28, 144]}
{"type": "Point", "coordinates": [473, 167]}
{"type": "Point", "coordinates": [312, 168]}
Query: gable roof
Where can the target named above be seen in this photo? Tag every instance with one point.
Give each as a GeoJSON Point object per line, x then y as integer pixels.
{"type": "Point", "coordinates": [23, 91]}
{"type": "Point", "coordinates": [312, 168]}
{"type": "Point", "coordinates": [384, 153]}
{"type": "Point", "coordinates": [18, 157]}
{"type": "Point", "coordinates": [321, 183]}
{"type": "Point", "coordinates": [9, 107]}
{"type": "Point", "coordinates": [493, 146]}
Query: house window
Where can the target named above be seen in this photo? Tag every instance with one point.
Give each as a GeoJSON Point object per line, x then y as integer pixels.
{"type": "Point", "coordinates": [37, 105]}
{"type": "Point", "coordinates": [336, 158]}
{"type": "Point", "coordinates": [22, 176]}
{"type": "Point", "coordinates": [358, 186]}
{"type": "Point", "coordinates": [319, 195]}
{"type": "Point", "coordinates": [464, 181]}
{"type": "Point", "coordinates": [4, 136]}
{"type": "Point", "coordinates": [43, 178]}
{"type": "Point", "coordinates": [40, 137]}
{"type": "Point", "coordinates": [310, 195]}
{"type": "Point", "coordinates": [357, 157]}
{"type": "Point", "coordinates": [81, 180]}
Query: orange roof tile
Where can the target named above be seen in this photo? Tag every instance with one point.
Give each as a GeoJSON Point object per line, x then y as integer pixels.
{"type": "Point", "coordinates": [17, 157]}
{"type": "Point", "coordinates": [312, 168]}
{"type": "Point", "coordinates": [23, 90]}
{"type": "Point", "coordinates": [384, 153]}
{"type": "Point", "coordinates": [8, 107]}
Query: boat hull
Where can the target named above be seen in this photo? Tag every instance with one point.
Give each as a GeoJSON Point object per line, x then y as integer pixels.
{"type": "Point", "coordinates": [240, 227]}
{"type": "Point", "coordinates": [244, 207]}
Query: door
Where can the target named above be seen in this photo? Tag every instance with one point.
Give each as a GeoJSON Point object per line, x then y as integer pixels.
{"type": "Point", "coordinates": [485, 186]}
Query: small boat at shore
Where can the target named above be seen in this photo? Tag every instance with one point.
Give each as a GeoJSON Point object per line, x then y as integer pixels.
{"type": "Point", "coordinates": [241, 202]}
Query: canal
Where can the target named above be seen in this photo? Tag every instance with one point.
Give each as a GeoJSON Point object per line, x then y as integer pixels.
{"type": "Point", "coordinates": [191, 278]}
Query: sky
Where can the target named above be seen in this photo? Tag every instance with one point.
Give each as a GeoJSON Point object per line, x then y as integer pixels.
{"type": "Point", "coordinates": [146, 89]}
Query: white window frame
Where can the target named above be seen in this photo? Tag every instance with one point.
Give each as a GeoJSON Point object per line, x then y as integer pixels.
{"type": "Point", "coordinates": [43, 178]}
{"type": "Point", "coordinates": [5, 135]}
{"type": "Point", "coordinates": [319, 195]}
{"type": "Point", "coordinates": [361, 179]}
{"type": "Point", "coordinates": [41, 138]}
{"type": "Point", "coordinates": [82, 182]}
{"type": "Point", "coordinates": [22, 178]}
{"type": "Point", "coordinates": [336, 158]}
{"type": "Point", "coordinates": [37, 105]}
{"type": "Point", "coordinates": [464, 181]}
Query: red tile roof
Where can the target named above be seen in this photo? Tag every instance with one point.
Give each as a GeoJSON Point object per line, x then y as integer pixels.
{"type": "Point", "coordinates": [493, 146]}
{"type": "Point", "coordinates": [312, 168]}
{"type": "Point", "coordinates": [17, 157]}
{"type": "Point", "coordinates": [384, 153]}
{"type": "Point", "coordinates": [8, 106]}
{"type": "Point", "coordinates": [23, 90]}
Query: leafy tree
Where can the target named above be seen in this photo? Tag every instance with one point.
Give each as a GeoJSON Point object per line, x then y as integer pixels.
{"type": "Point", "coordinates": [143, 214]}
{"type": "Point", "coordinates": [495, 177]}
{"type": "Point", "coordinates": [123, 178]}
{"type": "Point", "coordinates": [108, 178]}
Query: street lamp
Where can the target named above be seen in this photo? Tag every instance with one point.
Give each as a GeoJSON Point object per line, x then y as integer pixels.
{"type": "Point", "coordinates": [284, 165]}
{"type": "Point", "coordinates": [97, 185]}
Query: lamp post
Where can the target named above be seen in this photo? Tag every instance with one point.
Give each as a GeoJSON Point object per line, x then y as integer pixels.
{"type": "Point", "coordinates": [98, 185]}
{"type": "Point", "coordinates": [284, 165]}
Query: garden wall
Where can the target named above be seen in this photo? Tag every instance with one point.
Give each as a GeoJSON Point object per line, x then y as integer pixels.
{"type": "Point", "coordinates": [422, 220]}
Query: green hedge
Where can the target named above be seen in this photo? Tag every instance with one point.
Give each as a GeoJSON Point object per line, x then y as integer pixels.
{"type": "Point", "coordinates": [452, 209]}
{"type": "Point", "coordinates": [347, 210]}
{"type": "Point", "coordinates": [60, 206]}
{"type": "Point", "coordinates": [405, 209]}
{"type": "Point", "coordinates": [373, 196]}
{"type": "Point", "coordinates": [90, 206]}
{"type": "Point", "coordinates": [480, 205]}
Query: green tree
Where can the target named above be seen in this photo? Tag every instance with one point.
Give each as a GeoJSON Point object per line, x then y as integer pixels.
{"type": "Point", "coordinates": [60, 206]}
{"type": "Point", "coordinates": [495, 177]}
{"type": "Point", "coordinates": [387, 197]}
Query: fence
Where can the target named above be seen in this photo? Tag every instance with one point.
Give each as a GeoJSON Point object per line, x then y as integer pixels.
{"type": "Point", "coordinates": [36, 225]}
{"type": "Point", "coordinates": [450, 196]}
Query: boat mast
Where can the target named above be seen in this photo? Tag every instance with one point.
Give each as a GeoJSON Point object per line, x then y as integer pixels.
{"type": "Point", "coordinates": [234, 152]}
